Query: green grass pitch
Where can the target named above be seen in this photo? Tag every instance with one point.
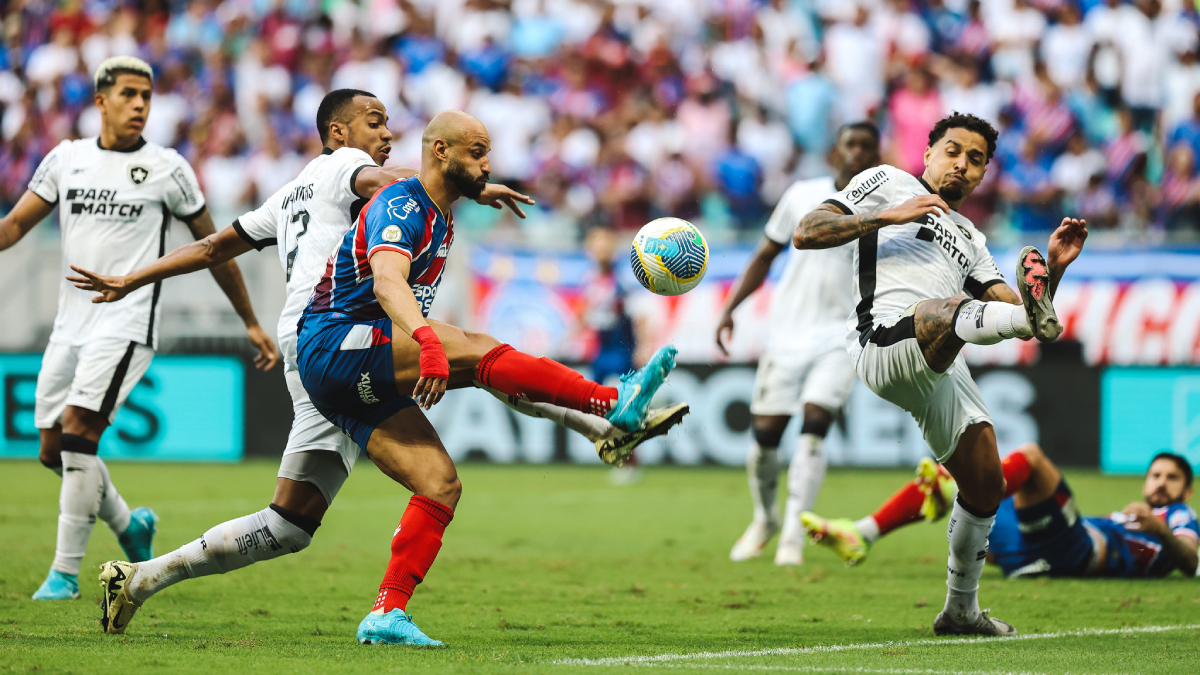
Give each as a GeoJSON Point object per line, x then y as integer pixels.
{"type": "Point", "coordinates": [550, 569]}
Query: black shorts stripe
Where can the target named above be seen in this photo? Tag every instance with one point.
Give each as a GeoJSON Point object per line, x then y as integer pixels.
{"type": "Point", "coordinates": [114, 387]}
{"type": "Point", "coordinates": [162, 250]}
{"type": "Point", "coordinates": [977, 288]}
{"type": "Point", "coordinates": [886, 336]}
{"type": "Point", "coordinates": [868, 251]}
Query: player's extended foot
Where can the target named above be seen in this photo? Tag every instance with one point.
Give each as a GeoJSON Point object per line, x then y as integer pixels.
{"type": "Point", "coordinates": [638, 387]}
{"type": "Point", "coordinates": [984, 625]}
{"type": "Point", "coordinates": [618, 445]}
{"type": "Point", "coordinates": [393, 628]}
{"type": "Point", "coordinates": [840, 535]}
{"type": "Point", "coordinates": [789, 551]}
{"type": "Point", "coordinates": [1033, 281]}
{"type": "Point", "coordinates": [137, 539]}
{"type": "Point", "coordinates": [754, 539]}
{"type": "Point", "coordinates": [939, 488]}
{"type": "Point", "coordinates": [58, 586]}
{"type": "Point", "coordinates": [117, 605]}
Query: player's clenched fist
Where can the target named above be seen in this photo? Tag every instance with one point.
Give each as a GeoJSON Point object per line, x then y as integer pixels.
{"type": "Point", "coordinates": [915, 208]}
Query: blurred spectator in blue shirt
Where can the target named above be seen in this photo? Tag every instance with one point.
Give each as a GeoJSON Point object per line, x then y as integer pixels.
{"type": "Point", "coordinates": [1029, 187]}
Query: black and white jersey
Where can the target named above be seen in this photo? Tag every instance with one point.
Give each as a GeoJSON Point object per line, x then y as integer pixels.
{"type": "Point", "coordinates": [113, 209]}
{"type": "Point", "coordinates": [900, 265]}
{"type": "Point", "coordinates": [307, 219]}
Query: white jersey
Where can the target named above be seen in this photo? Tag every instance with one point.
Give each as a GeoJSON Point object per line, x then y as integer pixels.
{"type": "Point", "coordinates": [813, 297]}
{"type": "Point", "coordinates": [307, 219]}
{"type": "Point", "coordinates": [898, 266]}
{"type": "Point", "coordinates": [113, 209]}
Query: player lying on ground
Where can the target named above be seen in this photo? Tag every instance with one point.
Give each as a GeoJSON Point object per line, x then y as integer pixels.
{"type": "Point", "coordinates": [361, 371]}
{"type": "Point", "coordinates": [116, 194]}
{"type": "Point", "coordinates": [308, 217]}
{"type": "Point", "coordinates": [805, 369]}
{"type": "Point", "coordinates": [1038, 529]}
{"type": "Point", "coordinates": [925, 285]}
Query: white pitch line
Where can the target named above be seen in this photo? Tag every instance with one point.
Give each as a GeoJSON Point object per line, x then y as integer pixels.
{"type": "Point", "coordinates": [827, 649]}
{"type": "Point", "coordinates": [834, 669]}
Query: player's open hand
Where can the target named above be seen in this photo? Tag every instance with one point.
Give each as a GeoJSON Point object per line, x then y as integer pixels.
{"type": "Point", "coordinates": [914, 209]}
{"type": "Point", "coordinates": [724, 331]}
{"type": "Point", "coordinates": [267, 355]}
{"type": "Point", "coordinates": [110, 289]}
{"type": "Point", "coordinates": [1066, 243]}
{"type": "Point", "coordinates": [429, 391]}
{"type": "Point", "coordinates": [498, 196]}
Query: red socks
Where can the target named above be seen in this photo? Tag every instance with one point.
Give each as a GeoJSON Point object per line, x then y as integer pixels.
{"type": "Point", "coordinates": [414, 546]}
{"type": "Point", "coordinates": [1016, 472]}
{"type": "Point", "coordinates": [543, 381]}
{"type": "Point", "coordinates": [900, 509]}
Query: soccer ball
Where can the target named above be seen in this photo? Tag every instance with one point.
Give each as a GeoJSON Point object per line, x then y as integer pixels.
{"type": "Point", "coordinates": [669, 256]}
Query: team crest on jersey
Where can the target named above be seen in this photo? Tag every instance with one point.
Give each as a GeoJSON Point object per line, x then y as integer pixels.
{"type": "Point", "coordinates": [963, 228]}
{"type": "Point", "coordinates": [391, 233]}
{"type": "Point", "coordinates": [138, 174]}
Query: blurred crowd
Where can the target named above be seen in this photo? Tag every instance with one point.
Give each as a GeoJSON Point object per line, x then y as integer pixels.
{"type": "Point", "coordinates": [618, 112]}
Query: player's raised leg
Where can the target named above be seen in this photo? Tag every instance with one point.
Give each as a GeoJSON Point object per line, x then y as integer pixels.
{"type": "Point", "coordinates": [478, 357]}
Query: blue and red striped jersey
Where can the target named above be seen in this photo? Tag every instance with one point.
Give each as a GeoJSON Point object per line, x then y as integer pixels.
{"type": "Point", "coordinates": [400, 217]}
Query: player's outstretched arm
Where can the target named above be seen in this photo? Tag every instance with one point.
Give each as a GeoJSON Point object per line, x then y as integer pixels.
{"type": "Point", "coordinates": [828, 226]}
{"type": "Point", "coordinates": [29, 211]}
{"type": "Point", "coordinates": [200, 255]}
{"type": "Point", "coordinates": [374, 178]}
{"type": "Point", "coordinates": [1066, 243]}
{"type": "Point", "coordinates": [229, 278]}
{"type": "Point", "coordinates": [747, 282]}
{"type": "Point", "coordinates": [390, 272]}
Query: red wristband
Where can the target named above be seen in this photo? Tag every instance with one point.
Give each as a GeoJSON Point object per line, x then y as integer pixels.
{"type": "Point", "coordinates": [433, 357]}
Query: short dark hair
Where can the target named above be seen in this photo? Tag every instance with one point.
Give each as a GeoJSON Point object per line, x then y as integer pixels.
{"type": "Point", "coordinates": [333, 106]}
{"type": "Point", "coordinates": [863, 125]}
{"type": "Point", "coordinates": [1180, 461]}
{"type": "Point", "coordinates": [957, 120]}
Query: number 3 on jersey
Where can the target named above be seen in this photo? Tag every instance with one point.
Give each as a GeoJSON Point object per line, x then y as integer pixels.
{"type": "Point", "coordinates": [301, 216]}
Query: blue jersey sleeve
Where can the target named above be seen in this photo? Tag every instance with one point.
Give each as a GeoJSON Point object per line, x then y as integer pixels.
{"type": "Point", "coordinates": [395, 221]}
{"type": "Point", "coordinates": [1181, 520]}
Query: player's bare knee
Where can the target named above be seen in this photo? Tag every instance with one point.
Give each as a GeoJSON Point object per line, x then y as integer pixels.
{"type": "Point", "coordinates": [1033, 454]}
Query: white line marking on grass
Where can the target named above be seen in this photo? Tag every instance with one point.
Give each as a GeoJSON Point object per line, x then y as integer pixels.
{"type": "Point", "coordinates": [833, 669]}
{"type": "Point", "coordinates": [829, 649]}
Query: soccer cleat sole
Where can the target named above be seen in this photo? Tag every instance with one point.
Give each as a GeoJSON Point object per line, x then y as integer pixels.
{"type": "Point", "coordinates": [658, 422]}
{"type": "Point", "coordinates": [1033, 282]}
{"type": "Point", "coordinates": [117, 606]}
{"type": "Point", "coordinates": [985, 626]}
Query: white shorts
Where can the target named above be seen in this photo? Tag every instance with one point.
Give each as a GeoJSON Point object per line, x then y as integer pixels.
{"type": "Point", "coordinates": [97, 376]}
{"type": "Point", "coordinates": [783, 386]}
{"type": "Point", "coordinates": [944, 404]}
{"type": "Point", "coordinates": [313, 434]}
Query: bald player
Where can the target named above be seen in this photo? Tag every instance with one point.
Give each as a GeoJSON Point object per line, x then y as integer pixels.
{"type": "Point", "coordinates": [398, 236]}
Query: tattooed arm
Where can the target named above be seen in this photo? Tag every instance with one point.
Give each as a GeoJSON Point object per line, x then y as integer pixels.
{"type": "Point", "coordinates": [828, 226]}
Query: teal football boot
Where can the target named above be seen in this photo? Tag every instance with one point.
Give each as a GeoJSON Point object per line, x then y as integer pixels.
{"type": "Point", "coordinates": [136, 540]}
{"type": "Point", "coordinates": [638, 387]}
{"type": "Point", "coordinates": [58, 586]}
{"type": "Point", "coordinates": [393, 628]}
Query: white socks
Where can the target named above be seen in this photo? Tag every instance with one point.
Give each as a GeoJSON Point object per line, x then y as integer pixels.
{"type": "Point", "coordinates": [78, 505]}
{"type": "Point", "coordinates": [113, 509]}
{"type": "Point", "coordinates": [968, 535]}
{"type": "Point", "coordinates": [229, 546]}
{"type": "Point", "coordinates": [594, 427]}
{"type": "Point", "coordinates": [986, 323]}
{"type": "Point", "coordinates": [868, 528]}
{"type": "Point", "coordinates": [805, 475]}
{"type": "Point", "coordinates": [762, 471]}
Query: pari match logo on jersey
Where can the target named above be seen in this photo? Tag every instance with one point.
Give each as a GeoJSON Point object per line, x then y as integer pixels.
{"type": "Point", "coordinates": [669, 256]}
